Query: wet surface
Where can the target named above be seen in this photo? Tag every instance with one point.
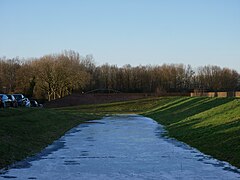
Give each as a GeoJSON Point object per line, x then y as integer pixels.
{"type": "Point", "coordinates": [120, 147]}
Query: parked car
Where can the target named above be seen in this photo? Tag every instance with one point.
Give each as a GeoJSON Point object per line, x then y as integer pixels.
{"type": "Point", "coordinates": [27, 102]}
{"type": "Point", "coordinates": [34, 103]}
{"type": "Point", "coordinates": [1, 103]}
{"type": "Point", "coordinates": [20, 99]}
{"type": "Point", "coordinates": [4, 101]}
{"type": "Point", "coordinates": [12, 100]}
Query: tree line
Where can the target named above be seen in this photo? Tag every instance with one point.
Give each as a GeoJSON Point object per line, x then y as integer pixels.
{"type": "Point", "coordinates": [57, 75]}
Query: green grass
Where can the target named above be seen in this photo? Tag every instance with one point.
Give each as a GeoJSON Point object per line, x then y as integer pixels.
{"type": "Point", "coordinates": [26, 131]}
{"type": "Point", "coordinates": [211, 125]}
{"type": "Point", "coordinates": [128, 107]}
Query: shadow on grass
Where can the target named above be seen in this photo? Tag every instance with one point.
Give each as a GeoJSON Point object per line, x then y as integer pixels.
{"type": "Point", "coordinates": [220, 141]}
{"type": "Point", "coordinates": [183, 108]}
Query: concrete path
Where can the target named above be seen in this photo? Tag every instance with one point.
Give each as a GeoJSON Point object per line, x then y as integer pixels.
{"type": "Point", "coordinates": [120, 147]}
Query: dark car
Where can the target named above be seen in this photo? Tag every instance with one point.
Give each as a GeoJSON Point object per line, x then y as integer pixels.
{"type": "Point", "coordinates": [1, 103]}
{"type": "Point", "coordinates": [4, 102]}
{"type": "Point", "coordinates": [13, 101]}
{"type": "Point", "coordinates": [20, 99]}
{"type": "Point", "coordinates": [27, 102]}
{"type": "Point", "coordinates": [34, 103]}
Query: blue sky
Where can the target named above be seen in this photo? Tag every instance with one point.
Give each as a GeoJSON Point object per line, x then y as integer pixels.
{"type": "Point", "coordinates": [196, 32]}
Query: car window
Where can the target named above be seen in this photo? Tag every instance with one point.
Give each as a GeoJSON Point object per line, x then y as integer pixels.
{"type": "Point", "coordinates": [18, 97]}
{"type": "Point", "coordinates": [4, 97]}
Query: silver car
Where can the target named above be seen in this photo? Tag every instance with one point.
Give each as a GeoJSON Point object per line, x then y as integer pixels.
{"type": "Point", "coordinates": [4, 101]}
{"type": "Point", "coordinates": [20, 99]}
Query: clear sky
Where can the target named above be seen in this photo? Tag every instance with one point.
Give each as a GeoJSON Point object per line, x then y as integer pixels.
{"type": "Point", "coordinates": [196, 32]}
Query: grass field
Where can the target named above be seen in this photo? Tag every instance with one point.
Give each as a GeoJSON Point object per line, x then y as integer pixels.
{"type": "Point", "coordinates": [210, 124]}
{"type": "Point", "coordinates": [26, 131]}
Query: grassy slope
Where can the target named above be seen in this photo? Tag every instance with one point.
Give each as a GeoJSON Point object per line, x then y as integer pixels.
{"type": "Point", "coordinates": [210, 124]}
{"type": "Point", "coordinates": [128, 107]}
{"type": "Point", "coordinates": [25, 131]}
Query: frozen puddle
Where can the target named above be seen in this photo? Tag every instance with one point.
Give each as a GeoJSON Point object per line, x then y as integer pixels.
{"type": "Point", "coordinates": [120, 147]}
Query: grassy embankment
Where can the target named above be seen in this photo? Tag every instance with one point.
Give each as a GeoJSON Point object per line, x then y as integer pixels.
{"type": "Point", "coordinates": [210, 124]}
{"type": "Point", "coordinates": [26, 131]}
